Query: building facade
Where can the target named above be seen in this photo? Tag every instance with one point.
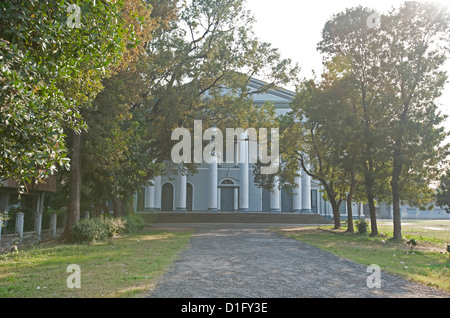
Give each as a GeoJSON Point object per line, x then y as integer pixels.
{"type": "Point", "coordinates": [229, 187]}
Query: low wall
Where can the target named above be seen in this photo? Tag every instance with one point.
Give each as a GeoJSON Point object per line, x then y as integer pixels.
{"type": "Point", "coordinates": [29, 238]}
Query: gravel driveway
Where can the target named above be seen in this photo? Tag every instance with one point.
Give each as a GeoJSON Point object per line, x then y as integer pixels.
{"type": "Point", "coordinates": [251, 261]}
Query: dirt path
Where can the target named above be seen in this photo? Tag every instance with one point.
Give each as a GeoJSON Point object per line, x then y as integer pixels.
{"type": "Point", "coordinates": [255, 262]}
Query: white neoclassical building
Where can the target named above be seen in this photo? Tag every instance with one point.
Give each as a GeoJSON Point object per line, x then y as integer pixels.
{"type": "Point", "coordinates": [229, 187]}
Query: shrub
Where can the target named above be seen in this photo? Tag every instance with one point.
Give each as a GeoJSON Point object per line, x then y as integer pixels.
{"type": "Point", "coordinates": [362, 226]}
{"type": "Point", "coordinates": [97, 229]}
{"type": "Point", "coordinates": [133, 223]}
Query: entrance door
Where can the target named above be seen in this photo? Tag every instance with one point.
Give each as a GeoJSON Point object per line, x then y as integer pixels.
{"type": "Point", "coordinates": [167, 198]}
{"type": "Point", "coordinates": [189, 197]}
{"type": "Point", "coordinates": [227, 199]}
{"type": "Point", "coordinates": [265, 200]}
{"type": "Point", "coordinates": [287, 204]}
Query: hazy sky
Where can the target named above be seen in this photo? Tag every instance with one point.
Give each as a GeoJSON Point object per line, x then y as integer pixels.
{"type": "Point", "coordinates": [294, 27]}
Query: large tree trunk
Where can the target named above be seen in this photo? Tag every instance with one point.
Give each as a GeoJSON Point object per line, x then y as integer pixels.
{"type": "Point", "coordinates": [396, 171]}
{"type": "Point", "coordinates": [371, 201]}
{"type": "Point", "coordinates": [336, 212]}
{"type": "Point", "coordinates": [350, 228]}
{"type": "Point", "coordinates": [117, 205]}
{"type": "Point", "coordinates": [73, 210]}
{"type": "Point", "coordinates": [97, 209]}
{"type": "Point", "coordinates": [105, 208]}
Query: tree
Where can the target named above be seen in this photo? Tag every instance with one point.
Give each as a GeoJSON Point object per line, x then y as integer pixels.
{"type": "Point", "coordinates": [199, 68]}
{"type": "Point", "coordinates": [443, 192]}
{"type": "Point", "coordinates": [318, 138]}
{"type": "Point", "coordinates": [186, 68]}
{"type": "Point", "coordinates": [397, 68]}
{"type": "Point", "coordinates": [54, 56]}
{"type": "Point", "coordinates": [415, 41]}
{"type": "Point", "coordinates": [109, 28]}
{"type": "Point", "coordinates": [351, 48]}
{"type": "Point", "coordinates": [114, 162]}
{"type": "Point", "coordinates": [36, 50]}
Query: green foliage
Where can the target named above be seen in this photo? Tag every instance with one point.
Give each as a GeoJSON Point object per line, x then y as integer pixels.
{"type": "Point", "coordinates": [47, 71]}
{"type": "Point", "coordinates": [180, 78]}
{"type": "Point", "coordinates": [443, 192]}
{"type": "Point", "coordinates": [97, 229]}
{"type": "Point", "coordinates": [133, 223]}
{"type": "Point", "coordinates": [362, 226]}
{"type": "Point", "coordinates": [106, 228]}
{"type": "Point", "coordinates": [4, 217]}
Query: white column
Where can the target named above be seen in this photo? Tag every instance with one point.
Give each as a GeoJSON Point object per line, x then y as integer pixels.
{"type": "Point", "coordinates": [157, 184]}
{"type": "Point", "coordinates": [212, 198]}
{"type": "Point", "coordinates": [38, 214]}
{"type": "Point", "coordinates": [135, 199]}
{"type": "Point", "coordinates": [181, 193]}
{"type": "Point", "coordinates": [298, 195]}
{"type": "Point", "coordinates": [149, 198]}
{"type": "Point", "coordinates": [19, 224]}
{"type": "Point", "coordinates": [53, 223]}
{"type": "Point", "coordinates": [243, 173]}
{"type": "Point", "coordinates": [275, 196]}
{"type": "Point", "coordinates": [306, 193]}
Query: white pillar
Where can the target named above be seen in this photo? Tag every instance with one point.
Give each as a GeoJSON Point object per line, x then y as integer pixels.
{"type": "Point", "coordinates": [275, 196]}
{"type": "Point", "coordinates": [298, 195]}
{"type": "Point", "coordinates": [86, 215]}
{"type": "Point", "coordinates": [38, 214]}
{"type": "Point", "coordinates": [53, 223]}
{"type": "Point", "coordinates": [149, 198]}
{"type": "Point", "coordinates": [243, 173]}
{"type": "Point", "coordinates": [135, 199]}
{"type": "Point", "coordinates": [212, 197]}
{"type": "Point", "coordinates": [19, 224]}
{"type": "Point", "coordinates": [306, 193]}
{"type": "Point", "coordinates": [181, 193]}
{"type": "Point", "coordinates": [157, 184]}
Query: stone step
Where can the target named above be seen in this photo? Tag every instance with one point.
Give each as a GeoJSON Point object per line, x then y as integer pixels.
{"type": "Point", "coordinates": [280, 218]}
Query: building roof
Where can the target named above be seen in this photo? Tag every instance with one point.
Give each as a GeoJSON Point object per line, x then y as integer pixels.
{"type": "Point", "coordinates": [280, 97]}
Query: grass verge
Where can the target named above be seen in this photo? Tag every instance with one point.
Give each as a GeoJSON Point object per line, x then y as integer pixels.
{"type": "Point", "coordinates": [126, 267]}
{"type": "Point", "coordinates": [428, 263]}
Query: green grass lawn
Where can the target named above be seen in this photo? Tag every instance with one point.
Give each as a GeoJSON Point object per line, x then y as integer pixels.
{"type": "Point", "coordinates": [126, 267]}
{"type": "Point", "coordinates": [429, 263]}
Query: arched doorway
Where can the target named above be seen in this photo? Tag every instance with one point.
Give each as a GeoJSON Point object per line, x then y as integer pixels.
{"type": "Point", "coordinates": [227, 195]}
{"type": "Point", "coordinates": [287, 204]}
{"type": "Point", "coordinates": [167, 197]}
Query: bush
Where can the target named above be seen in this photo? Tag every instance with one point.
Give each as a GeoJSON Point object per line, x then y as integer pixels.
{"type": "Point", "coordinates": [97, 229]}
{"type": "Point", "coordinates": [133, 223]}
{"type": "Point", "coordinates": [362, 226]}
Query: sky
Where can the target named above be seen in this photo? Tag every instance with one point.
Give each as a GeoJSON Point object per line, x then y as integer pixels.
{"type": "Point", "coordinates": [294, 27]}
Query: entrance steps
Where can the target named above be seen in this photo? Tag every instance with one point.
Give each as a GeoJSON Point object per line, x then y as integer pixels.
{"type": "Point", "coordinates": [276, 218]}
